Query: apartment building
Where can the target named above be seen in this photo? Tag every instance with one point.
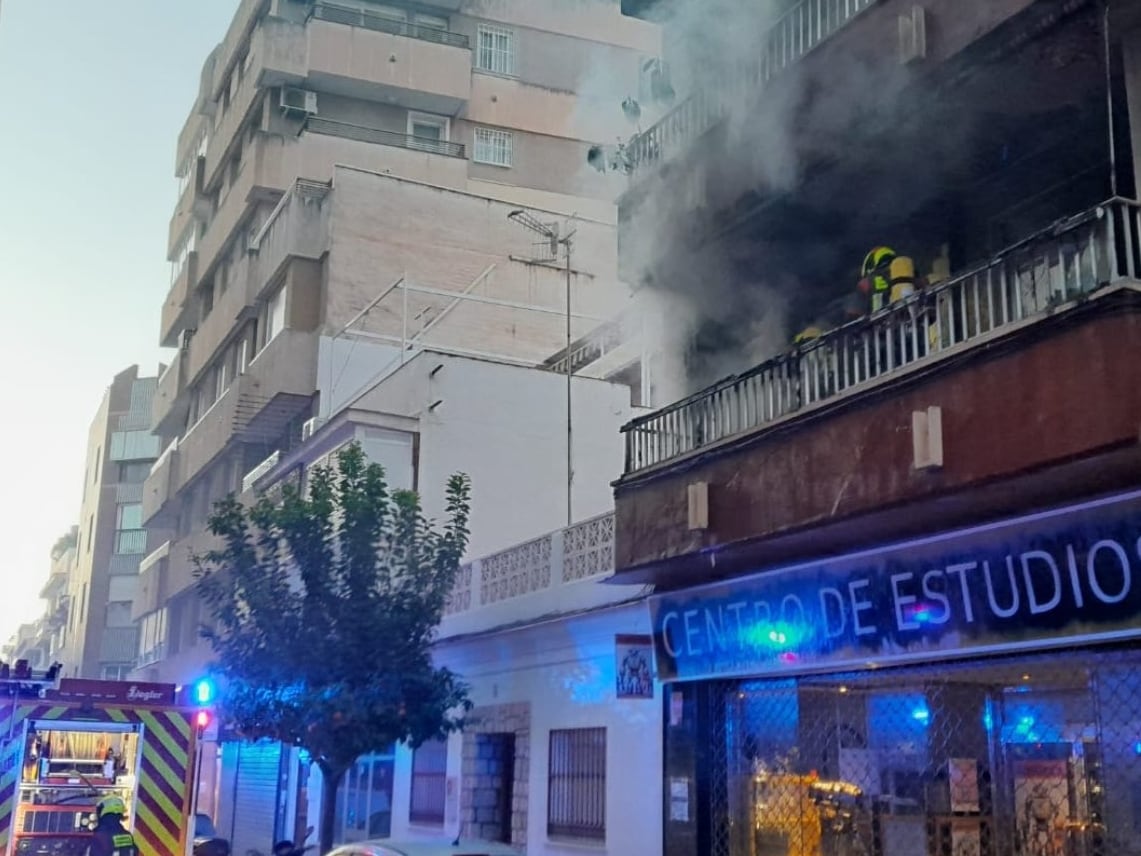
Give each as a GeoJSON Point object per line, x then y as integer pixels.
{"type": "Point", "coordinates": [895, 605]}
{"type": "Point", "coordinates": [349, 174]}
{"type": "Point", "coordinates": [99, 636]}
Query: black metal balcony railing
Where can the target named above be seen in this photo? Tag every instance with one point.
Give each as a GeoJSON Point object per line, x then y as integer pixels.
{"type": "Point", "coordinates": [356, 17]}
{"type": "Point", "coordinates": [1032, 278]}
{"type": "Point", "coordinates": [319, 125]}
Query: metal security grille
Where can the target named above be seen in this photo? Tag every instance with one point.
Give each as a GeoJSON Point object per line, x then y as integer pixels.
{"type": "Point", "coordinates": [1034, 756]}
{"type": "Point", "coordinates": [576, 799]}
{"type": "Point", "coordinates": [429, 782]}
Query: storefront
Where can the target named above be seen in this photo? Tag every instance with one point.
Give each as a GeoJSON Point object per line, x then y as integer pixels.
{"type": "Point", "coordinates": [975, 693]}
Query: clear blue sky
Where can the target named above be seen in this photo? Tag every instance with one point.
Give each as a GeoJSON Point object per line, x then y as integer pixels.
{"type": "Point", "coordinates": [92, 97]}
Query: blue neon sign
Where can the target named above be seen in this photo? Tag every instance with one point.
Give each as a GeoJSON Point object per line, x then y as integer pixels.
{"type": "Point", "coordinates": [1068, 575]}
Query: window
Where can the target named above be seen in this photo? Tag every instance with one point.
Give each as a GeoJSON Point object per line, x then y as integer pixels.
{"type": "Point", "coordinates": [492, 146]}
{"type": "Point", "coordinates": [116, 673]}
{"type": "Point", "coordinates": [576, 785]}
{"type": "Point", "coordinates": [90, 524]}
{"type": "Point", "coordinates": [427, 132]}
{"type": "Point", "coordinates": [495, 50]}
{"type": "Point", "coordinates": [434, 22]}
{"type": "Point", "coordinates": [131, 542]}
{"type": "Point", "coordinates": [133, 446]}
{"type": "Point", "coordinates": [134, 472]}
{"type": "Point", "coordinates": [130, 516]}
{"type": "Point", "coordinates": [429, 782]}
{"type": "Point", "coordinates": [275, 315]}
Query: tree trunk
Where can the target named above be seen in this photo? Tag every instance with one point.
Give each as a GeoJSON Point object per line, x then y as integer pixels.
{"type": "Point", "coordinates": [330, 783]}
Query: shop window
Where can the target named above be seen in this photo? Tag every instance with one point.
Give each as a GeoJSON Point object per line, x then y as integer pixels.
{"type": "Point", "coordinates": [364, 800]}
{"type": "Point", "coordinates": [576, 784]}
{"type": "Point", "coordinates": [429, 774]}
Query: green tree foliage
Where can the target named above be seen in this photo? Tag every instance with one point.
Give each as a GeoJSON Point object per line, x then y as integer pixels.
{"type": "Point", "coordinates": [325, 604]}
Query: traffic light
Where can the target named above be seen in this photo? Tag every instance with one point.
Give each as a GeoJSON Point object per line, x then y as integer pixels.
{"type": "Point", "coordinates": [204, 692]}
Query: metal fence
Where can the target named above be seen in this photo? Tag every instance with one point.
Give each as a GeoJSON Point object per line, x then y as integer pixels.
{"type": "Point", "coordinates": [802, 28]}
{"type": "Point", "coordinates": [1030, 756]}
{"type": "Point", "coordinates": [363, 134]}
{"type": "Point", "coordinates": [357, 17]}
{"type": "Point", "coordinates": [1032, 278]}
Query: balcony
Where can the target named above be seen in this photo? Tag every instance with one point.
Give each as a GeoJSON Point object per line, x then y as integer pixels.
{"type": "Point", "coordinates": [495, 588]}
{"type": "Point", "coordinates": [233, 119]}
{"type": "Point", "coordinates": [357, 17]}
{"type": "Point", "coordinates": [160, 488]}
{"type": "Point", "coordinates": [364, 55]}
{"type": "Point", "coordinates": [176, 309]}
{"type": "Point", "coordinates": [151, 591]}
{"type": "Point", "coordinates": [278, 388]}
{"type": "Point", "coordinates": [360, 133]}
{"type": "Point", "coordinates": [1025, 281]}
{"type": "Point", "coordinates": [996, 351]}
{"type": "Point", "coordinates": [800, 30]}
{"type": "Point", "coordinates": [297, 228]}
{"type": "Point", "coordinates": [209, 436]}
{"type": "Point", "coordinates": [233, 208]}
{"type": "Point", "coordinates": [169, 406]}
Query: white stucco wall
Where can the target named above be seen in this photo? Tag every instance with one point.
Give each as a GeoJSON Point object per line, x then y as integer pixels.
{"type": "Point", "coordinates": [565, 670]}
{"type": "Point", "coordinates": [505, 426]}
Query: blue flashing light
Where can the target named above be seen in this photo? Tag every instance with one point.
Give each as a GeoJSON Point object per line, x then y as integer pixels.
{"type": "Point", "coordinates": [204, 692]}
{"type": "Point", "coordinates": [921, 714]}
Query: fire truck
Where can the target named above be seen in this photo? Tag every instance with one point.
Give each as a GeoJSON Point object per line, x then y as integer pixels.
{"type": "Point", "coordinates": [66, 744]}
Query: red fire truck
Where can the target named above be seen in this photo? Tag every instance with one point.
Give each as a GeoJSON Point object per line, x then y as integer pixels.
{"type": "Point", "coordinates": [66, 745]}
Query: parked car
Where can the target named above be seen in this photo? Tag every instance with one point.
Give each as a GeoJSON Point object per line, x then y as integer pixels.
{"type": "Point", "coordinates": [206, 840]}
{"type": "Point", "coordinates": [386, 847]}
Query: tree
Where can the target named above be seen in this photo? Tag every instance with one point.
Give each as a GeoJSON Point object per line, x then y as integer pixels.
{"type": "Point", "coordinates": [325, 604]}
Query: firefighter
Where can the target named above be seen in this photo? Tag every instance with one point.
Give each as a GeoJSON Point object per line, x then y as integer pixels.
{"type": "Point", "coordinates": [110, 837]}
{"type": "Point", "coordinates": [875, 282]}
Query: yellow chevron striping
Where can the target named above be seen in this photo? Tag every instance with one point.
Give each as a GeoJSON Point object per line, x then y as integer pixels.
{"type": "Point", "coordinates": [155, 790]}
{"type": "Point", "coordinates": [177, 753]}
{"type": "Point", "coordinates": [155, 828]}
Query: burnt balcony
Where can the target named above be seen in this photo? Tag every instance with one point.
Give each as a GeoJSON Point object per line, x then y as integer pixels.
{"type": "Point", "coordinates": [1002, 369]}
{"type": "Point", "coordinates": [790, 38]}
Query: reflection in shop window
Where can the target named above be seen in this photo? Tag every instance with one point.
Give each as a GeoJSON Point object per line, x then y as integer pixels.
{"type": "Point", "coordinates": [1036, 757]}
{"type": "Point", "coordinates": [364, 800]}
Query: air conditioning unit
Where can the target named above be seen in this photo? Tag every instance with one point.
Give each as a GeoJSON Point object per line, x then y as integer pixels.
{"type": "Point", "coordinates": [310, 427]}
{"type": "Point", "coordinates": [298, 101]}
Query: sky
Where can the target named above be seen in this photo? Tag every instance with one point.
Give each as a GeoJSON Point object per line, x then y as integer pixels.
{"type": "Point", "coordinates": [92, 97]}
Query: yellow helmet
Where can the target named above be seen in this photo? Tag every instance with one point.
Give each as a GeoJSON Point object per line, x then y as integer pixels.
{"type": "Point", "coordinates": [111, 805]}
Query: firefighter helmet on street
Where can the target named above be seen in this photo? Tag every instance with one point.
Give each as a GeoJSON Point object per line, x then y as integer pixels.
{"type": "Point", "coordinates": [111, 805]}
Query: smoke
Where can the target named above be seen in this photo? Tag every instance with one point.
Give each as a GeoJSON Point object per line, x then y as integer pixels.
{"type": "Point", "coordinates": [709, 305]}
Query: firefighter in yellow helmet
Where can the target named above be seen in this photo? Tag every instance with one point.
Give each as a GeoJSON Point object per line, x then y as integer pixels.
{"type": "Point", "coordinates": [111, 837]}
{"type": "Point", "coordinates": [875, 282]}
